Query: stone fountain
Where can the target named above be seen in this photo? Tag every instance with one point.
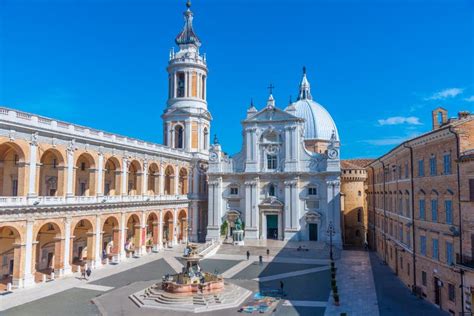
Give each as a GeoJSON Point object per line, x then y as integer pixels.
{"type": "Point", "coordinates": [191, 290]}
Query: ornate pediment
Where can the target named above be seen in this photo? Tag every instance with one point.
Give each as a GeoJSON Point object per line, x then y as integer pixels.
{"type": "Point", "coordinates": [271, 202]}
{"type": "Point", "coordinates": [312, 217]}
{"type": "Point", "coordinates": [272, 114]}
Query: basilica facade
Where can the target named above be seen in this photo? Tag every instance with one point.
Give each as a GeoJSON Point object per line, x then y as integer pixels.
{"type": "Point", "coordinates": [284, 183]}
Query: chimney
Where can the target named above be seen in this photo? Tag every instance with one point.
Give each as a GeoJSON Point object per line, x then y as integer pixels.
{"type": "Point", "coordinates": [463, 114]}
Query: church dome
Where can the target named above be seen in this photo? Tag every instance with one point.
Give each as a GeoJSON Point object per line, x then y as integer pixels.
{"type": "Point", "coordinates": [318, 122]}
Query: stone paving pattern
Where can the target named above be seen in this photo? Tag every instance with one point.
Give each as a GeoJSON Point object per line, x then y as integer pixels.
{"type": "Point", "coordinates": [366, 286]}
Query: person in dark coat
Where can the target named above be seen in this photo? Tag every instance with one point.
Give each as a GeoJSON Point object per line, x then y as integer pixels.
{"type": "Point", "coordinates": [248, 255]}
{"type": "Point", "coordinates": [88, 272]}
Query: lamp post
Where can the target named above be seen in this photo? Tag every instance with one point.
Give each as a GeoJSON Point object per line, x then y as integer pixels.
{"type": "Point", "coordinates": [331, 232]}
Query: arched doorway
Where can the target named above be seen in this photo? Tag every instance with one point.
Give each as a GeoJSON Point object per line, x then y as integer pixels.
{"type": "Point", "coordinates": [110, 238]}
{"type": "Point", "coordinates": [182, 226]}
{"type": "Point", "coordinates": [82, 243]}
{"type": "Point", "coordinates": [85, 175]}
{"type": "Point", "coordinates": [112, 177]}
{"type": "Point", "coordinates": [12, 170]}
{"type": "Point", "coordinates": [52, 171]}
{"type": "Point", "coordinates": [183, 181]}
{"type": "Point", "coordinates": [169, 180]}
{"type": "Point", "coordinates": [132, 243]}
{"type": "Point", "coordinates": [10, 254]}
{"type": "Point", "coordinates": [178, 136]}
{"type": "Point", "coordinates": [152, 232]}
{"type": "Point", "coordinates": [48, 253]}
{"type": "Point", "coordinates": [153, 179]}
{"type": "Point", "coordinates": [168, 228]}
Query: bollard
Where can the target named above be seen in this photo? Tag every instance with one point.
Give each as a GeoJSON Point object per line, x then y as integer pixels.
{"type": "Point", "coordinates": [9, 287]}
{"type": "Point", "coordinates": [52, 276]}
{"type": "Point", "coordinates": [43, 278]}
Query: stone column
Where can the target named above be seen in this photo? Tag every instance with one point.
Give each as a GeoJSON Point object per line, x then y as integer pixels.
{"type": "Point", "coordinates": [334, 210]}
{"type": "Point", "coordinates": [28, 277]}
{"type": "Point", "coordinates": [156, 235]}
{"type": "Point", "coordinates": [288, 210]}
{"type": "Point", "coordinates": [251, 209]}
{"type": "Point", "coordinates": [98, 242]}
{"type": "Point", "coordinates": [145, 178]}
{"type": "Point", "coordinates": [100, 175]}
{"type": "Point", "coordinates": [175, 231]}
{"type": "Point", "coordinates": [162, 180]}
{"type": "Point", "coordinates": [160, 234]}
{"type": "Point", "coordinates": [124, 176]}
{"type": "Point", "coordinates": [176, 181]}
{"type": "Point", "coordinates": [213, 229]}
{"type": "Point", "coordinates": [143, 234]}
{"type": "Point", "coordinates": [70, 172]}
{"type": "Point", "coordinates": [32, 167]}
{"type": "Point", "coordinates": [123, 235]}
{"type": "Point", "coordinates": [67, 246]}
{"type": "Point", "coordinates": [187, 135]}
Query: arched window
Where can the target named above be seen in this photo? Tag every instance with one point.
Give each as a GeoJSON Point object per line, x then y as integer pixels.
{"type": "Point", "coordinates": [178, 136]}
{"type": "Point", "coordinates": [180, 85]}
{"type": "Point", "coordinates": [359, 216]}
{"type": "Point", "coordinates": [271, 190]}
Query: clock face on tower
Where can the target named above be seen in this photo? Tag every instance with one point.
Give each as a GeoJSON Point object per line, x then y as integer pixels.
{"type": "Point", "coordinates": [213, 156]}
{"type": "Point", "coordinates": [332, 153]}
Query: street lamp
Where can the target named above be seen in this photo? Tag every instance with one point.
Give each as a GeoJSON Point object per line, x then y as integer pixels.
{"type": "Point", "coordinates": [331, 232]}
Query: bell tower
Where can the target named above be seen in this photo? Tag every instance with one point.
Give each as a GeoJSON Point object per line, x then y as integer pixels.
{"type": "Point", "coordinates": [186, 120]}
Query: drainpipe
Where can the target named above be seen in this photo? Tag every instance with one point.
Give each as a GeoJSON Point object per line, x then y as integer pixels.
{"type": "Point", "coordinates": [461, 272]}
{"type": "Point", "coordinates": [412, 183]}
{"type": "Point", "coordinates": [374, 232]}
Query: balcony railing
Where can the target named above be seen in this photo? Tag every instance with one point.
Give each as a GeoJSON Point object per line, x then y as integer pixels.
{"type": "Point", "coordinates": [59, 200]}
{"type": "Point", "coordinates": [465, 261]}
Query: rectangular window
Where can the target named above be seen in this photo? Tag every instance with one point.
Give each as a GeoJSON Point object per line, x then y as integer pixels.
{"type": "Point", "coordinates": [271, 162]}
{"type": "Point", "coordinates": [435, 250]}
{"type": "Point", "coordinates": [406, 170]}
{"type": "Point", "coordinates": [423, 278]}
{"type": "Point", "coordinates": [407, 208]}
{"type": "Point", "coordinates": [448, 205]}
{"type": "Point", "coordinates": [434, 210]}
{"type": "Point", "coordinates": [451, 292]}
{"type": "Point", "coordinates": [312, 191]}
{"type": "Point", "coordinates": [433, 166]}
{"type": "Point", "coordinates": [400, 233]}
{"type": "Point", "coordinates": [449, 253]}
{"type": "Point", "coordinates": [421, 168]}
{"type": "Point", "coordinates": [447, 163]}
{"type": "Point", "coordinates": [422, 210]}
{"type": "Point", "coordinates": [234, 191]}
{"type": "Point", "coordinates": [423, 245]}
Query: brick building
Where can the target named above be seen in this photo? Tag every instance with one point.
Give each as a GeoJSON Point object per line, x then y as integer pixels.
{"type": "Point", "coordinates": [354, 201]}
{"type": "Point", "coordinates": [420, 211]}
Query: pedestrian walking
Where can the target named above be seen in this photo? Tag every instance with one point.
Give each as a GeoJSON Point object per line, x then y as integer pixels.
{"type": "Point", "coordinates": [88, 272]}
{"type": "Point", "coordinates": [260, 259]}
{"type": "Point", "coordinates": [281, 286]}
{"type": "Point", "coordinates": [268, 252]}
{"type": "Point", "coordinates": [248, 255]}
{"type": "Point", "coordinates": [83, 273]}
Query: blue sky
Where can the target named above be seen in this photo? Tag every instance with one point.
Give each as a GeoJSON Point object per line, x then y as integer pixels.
{"type": "Point", "coordinates": [379, 67]}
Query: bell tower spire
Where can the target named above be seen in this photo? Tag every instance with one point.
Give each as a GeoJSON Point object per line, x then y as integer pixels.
{"type": "Point", "coordinates": [186, 120]}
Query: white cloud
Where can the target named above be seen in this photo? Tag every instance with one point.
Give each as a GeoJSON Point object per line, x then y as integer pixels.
{"type": "Point", "coordinates": [445, 94]}
{"type": "Point", "coordinates": [470, 99]}
{"type": "Point", "coordinates": [398, 120]}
